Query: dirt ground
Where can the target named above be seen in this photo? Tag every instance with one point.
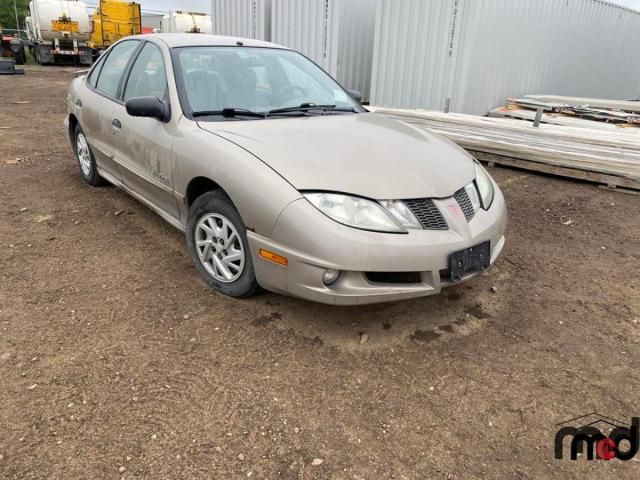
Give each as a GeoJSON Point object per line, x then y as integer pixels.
{"type": "Point", "coordinates": [116, 361]}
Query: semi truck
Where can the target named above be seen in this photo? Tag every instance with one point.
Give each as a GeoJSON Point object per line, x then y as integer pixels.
{"type": "Point", "coordinates": [59, 32]}
{"type": "Point", "coordinates": [178, 21]}
{"type": "Point", "coordinates": [112, 21]}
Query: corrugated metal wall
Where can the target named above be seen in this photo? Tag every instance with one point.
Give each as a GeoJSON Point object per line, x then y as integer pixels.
{"type": "Point", "coordinates": [242, 18]}
{"type": "Point", "coordinates": [310, 26]}
{"type": "Point", "coordinates": [479, 52]}
{"type": "Point", "coordinates": [355, 57]}
{"type": "Point", "coordinates": [336, 34]}
{"type": "Point", "coordinates": [411, 64]}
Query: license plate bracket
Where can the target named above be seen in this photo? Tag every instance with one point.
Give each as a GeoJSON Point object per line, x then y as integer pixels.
{"type": "Point", "coordinates": [469, 260]}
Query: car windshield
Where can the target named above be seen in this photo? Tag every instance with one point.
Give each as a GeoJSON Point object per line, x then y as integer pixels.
{"type": "Point", "coordinates": [245, 81]}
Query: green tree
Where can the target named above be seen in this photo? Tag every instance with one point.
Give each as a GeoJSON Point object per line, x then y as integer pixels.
{"type": "Point", "coordinates": [8, 13]}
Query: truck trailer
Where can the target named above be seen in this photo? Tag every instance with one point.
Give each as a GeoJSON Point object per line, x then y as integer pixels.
{"type": "Point", "coordinates": [59, 32]}
{"type": "Point", "coordinates": [112, 21]}
{"type": "Point", "coordinates": [186, 22]}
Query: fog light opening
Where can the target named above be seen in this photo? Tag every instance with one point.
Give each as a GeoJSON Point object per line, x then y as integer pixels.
{"type": "Point", "coordinates": [330, 276]}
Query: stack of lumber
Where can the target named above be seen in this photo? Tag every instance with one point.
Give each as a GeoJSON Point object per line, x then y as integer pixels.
{"type": "Point", "coordinates": [610, 115]}
{"type": "Point", "coordinates": [607, 157]}
{"type": "Point", "coordinates": [554, 118]}
{"type": "Point", "coordinates": [626, 105]}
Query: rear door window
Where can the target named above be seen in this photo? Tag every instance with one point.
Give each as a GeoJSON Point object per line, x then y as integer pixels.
{"type": "Point", "coordinates": [114, 66]}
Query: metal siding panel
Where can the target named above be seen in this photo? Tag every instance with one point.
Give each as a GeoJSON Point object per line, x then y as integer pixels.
{"type": "Point", "coordinates": [504, 48]}
{"type": "Point", "coordinates": [411, 62]}
{"type": "Point", "coordinates": [355, 44]}
{"type": "Point", "coordinates": [309, 26]}
{"type": "Point", "coordinates": [242, 18]}
{"type": "Point", "coordinates": [336, 34]}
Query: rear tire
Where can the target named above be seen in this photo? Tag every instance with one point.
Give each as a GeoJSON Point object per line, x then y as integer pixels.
{"type": "Point", "coordinates": [217, 241]}
{"type": "Point", "coordinates": [86, 160]}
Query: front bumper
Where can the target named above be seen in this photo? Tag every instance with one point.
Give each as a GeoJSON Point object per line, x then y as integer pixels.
{"type": "Point", "coordinates": [312, 243]}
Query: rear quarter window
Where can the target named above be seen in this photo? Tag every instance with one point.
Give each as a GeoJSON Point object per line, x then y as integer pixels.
{"type": "Point", "coordinates": [95, 72]}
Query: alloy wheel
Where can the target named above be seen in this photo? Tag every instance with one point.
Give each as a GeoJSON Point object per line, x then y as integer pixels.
{"type": "Point", "coordinates": [84, 155]}
{"type": "Point", "coordinates": [219, 247]}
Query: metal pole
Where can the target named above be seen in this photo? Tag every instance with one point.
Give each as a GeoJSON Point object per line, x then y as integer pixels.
{"type": "Point", "coordinates": [101, 25]}
{"type": "Point", "coordinates": [15, 8]}
{"type": "Point", "coordinates": [447, 105]}
{"type": "Point", "coordinates": [536, 121]}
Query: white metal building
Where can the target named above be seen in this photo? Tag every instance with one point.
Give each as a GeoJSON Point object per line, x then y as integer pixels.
{"type": "Point", "coordinates": [417, 53]}
{"type": "Point", "coordinates": [151, 20]}
{"type": "Point", "coordinates": [479, 52]}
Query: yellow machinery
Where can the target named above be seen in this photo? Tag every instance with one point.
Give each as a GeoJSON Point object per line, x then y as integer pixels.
{"type": "Point", "coordinates": [113, 20]}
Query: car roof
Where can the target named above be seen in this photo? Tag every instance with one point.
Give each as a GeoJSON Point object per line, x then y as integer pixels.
{"type": "Point", "coordinates": [201, 39]}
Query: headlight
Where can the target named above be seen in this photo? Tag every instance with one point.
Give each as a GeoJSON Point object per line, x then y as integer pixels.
{"type": "Point", "coordinates": [354, 211]}
{"type": "Point", "coordinates": [485, 187]}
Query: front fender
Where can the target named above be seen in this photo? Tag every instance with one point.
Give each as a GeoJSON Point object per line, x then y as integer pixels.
{"type": "Point", "coordinates": [258, 192]}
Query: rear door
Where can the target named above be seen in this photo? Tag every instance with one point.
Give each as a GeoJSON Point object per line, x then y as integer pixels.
{"type": "Point", "coordinates": [143, 149]}
{"type": "Point", "coordinates": [98, 101]}
{"type": "Point", "coordinates": [89, 107]}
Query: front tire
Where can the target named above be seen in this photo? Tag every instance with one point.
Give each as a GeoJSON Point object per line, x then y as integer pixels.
{"type": "Point", "coordinates": [217, 241]}
{"type": "Point", "coordinates": [86, 160]}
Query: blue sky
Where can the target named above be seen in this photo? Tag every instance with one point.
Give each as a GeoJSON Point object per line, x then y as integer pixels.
{"type": "Point", "coordinates": [205, 5]}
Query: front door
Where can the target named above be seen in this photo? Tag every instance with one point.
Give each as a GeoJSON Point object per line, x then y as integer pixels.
{"type": "Point", "coordinates": [143, 147]}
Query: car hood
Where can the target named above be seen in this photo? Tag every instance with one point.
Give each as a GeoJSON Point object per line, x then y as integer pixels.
{"type": "Point", "coordinates": [367, 154]}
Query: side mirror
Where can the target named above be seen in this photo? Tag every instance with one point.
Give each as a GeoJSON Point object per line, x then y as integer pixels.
{"type": "Point", "coordinates": [151, 107]}
{"type": "Point", "coordinates": [357, 96]}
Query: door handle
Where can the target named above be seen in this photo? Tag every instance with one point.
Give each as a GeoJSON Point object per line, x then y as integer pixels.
{"type": "Point", "coordinates": [79, 103]}
{"type": "Point", "coordinates": [116, 123]}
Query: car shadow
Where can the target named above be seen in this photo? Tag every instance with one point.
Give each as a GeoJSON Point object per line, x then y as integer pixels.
{"type": "Point", "coordinates": [457, 311]}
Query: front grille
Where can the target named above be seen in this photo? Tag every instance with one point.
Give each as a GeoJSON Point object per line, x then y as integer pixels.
{"type": "Point", "coordinates": [462, 197]}
{"type": "Point", "coordinates": [427, 213]}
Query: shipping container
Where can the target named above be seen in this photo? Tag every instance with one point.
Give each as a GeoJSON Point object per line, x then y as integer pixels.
{"type": "Point", "coordinates": [336, 34]}
{"type": "Point", "coordinates": [479, 52]}
{"type": "Point", "coordinates": [242, 18]}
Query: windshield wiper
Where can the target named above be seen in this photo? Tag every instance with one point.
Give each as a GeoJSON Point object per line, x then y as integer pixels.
{"type": "Point", "coordinates": [342, 109]}
{"type": "Point", "coordinates": [304, 107]}
{"type": "Point", "coordinates": [230, 113]}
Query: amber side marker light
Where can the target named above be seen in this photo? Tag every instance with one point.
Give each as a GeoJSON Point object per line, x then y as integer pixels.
{"type": "Point", "coordinates": [274, 257]}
